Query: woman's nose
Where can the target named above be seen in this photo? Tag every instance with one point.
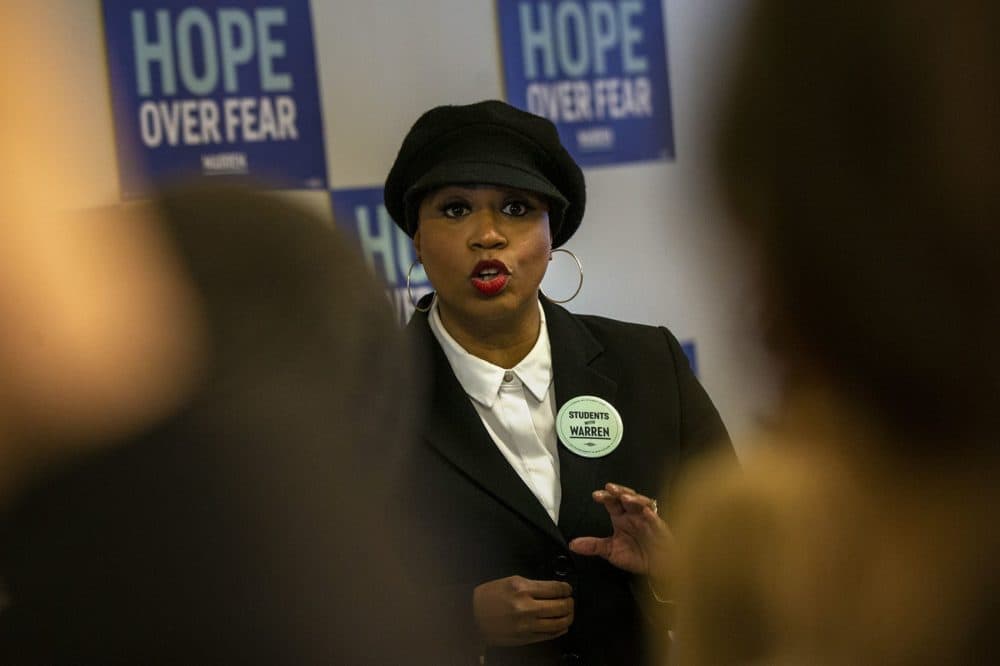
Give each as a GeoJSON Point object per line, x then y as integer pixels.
{"type": "Point", "coordinates": [486, 232]}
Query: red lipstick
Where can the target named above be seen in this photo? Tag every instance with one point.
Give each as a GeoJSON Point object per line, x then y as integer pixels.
{"type": "Point", "coordinates": [490, 277]}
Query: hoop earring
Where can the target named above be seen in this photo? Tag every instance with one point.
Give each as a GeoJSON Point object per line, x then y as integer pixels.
{"type": "Point", "coordinates": [410, 293]}
{"type": "Point", "coordinates": [579, 267]}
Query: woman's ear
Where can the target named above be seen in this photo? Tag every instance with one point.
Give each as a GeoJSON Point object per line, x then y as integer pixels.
{"type": "Point", "coordinates": [416, 243]}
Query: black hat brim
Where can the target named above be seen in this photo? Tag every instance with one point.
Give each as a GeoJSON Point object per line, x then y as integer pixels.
{"type": "Point", "coordinates": [469, 172]}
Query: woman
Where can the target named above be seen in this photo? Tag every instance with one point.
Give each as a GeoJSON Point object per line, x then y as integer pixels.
{"type": "Point", "coordinates": [547, 432]}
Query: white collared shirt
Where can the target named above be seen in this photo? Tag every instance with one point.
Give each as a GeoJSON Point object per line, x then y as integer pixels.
{"type": "Point", "coordinates": [516, 406]}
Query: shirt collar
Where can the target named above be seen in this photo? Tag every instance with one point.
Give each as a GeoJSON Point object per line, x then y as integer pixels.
{"type": "Point", "coordinates": [480, 379]}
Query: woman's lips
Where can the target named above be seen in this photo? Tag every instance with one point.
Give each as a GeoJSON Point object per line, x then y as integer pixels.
{"type": "Point", "coordinates": [492, 286]}
{"type": "Point", "coordinates": [490, 277]}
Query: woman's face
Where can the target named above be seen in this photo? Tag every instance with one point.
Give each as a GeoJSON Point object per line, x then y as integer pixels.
{"type": "Point", "coordinates": [485, 249]}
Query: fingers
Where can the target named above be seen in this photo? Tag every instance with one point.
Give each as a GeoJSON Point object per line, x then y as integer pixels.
{"type": "Point", "coordinates": [545, 589]}
{"type": "Point", "coordinates": [619, 499]}
{"type": "Point", "coordinates": [555, 608]}
{"type": "Point", "coordinates": [552, 619]}
{"type": "Point", "coordinates": [618, 489]}
{"type": "Point", "coordinates": [610, 501]}
{"type": "Point", "coordinates": [591, 546]}
{"type": "Point", "coordinates": [639, 506]}
{"type": "Point", "coordinates": [554, 632]}
{"type": "Point", "coordinates": [517, 611]}
{"type": "Point", "coordinates": [556, 625]}
{"type": "Point", "coordinates": [630, 498]}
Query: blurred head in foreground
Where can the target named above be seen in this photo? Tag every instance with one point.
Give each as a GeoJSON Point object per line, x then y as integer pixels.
{"type": "Point", "coordinates": [859, 152]}
{"type": "Point", "coordinates": [245, 526]}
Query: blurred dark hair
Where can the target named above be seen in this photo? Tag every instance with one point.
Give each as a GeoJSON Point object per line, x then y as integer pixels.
{"type": "Point", "coordinates": [251, 526]}
{"type": "Point", "coordinates": [859, 150]}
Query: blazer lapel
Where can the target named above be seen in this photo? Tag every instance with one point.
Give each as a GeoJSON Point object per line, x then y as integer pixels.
{"type": "Point", "coordinates": [573, 351]}
{"type": "Point", "coordinates": [455, 430]}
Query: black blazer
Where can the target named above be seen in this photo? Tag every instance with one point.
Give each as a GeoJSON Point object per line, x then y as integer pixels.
{"type": "Point", "coordinates": [483, 523]}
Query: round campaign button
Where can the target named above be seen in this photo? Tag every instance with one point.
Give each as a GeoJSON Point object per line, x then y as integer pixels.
{"type": "Point", "coordinates": [589, 426]}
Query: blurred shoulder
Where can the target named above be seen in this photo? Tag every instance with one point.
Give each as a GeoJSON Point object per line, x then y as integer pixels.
{"type": "Point", "coordinates": [766, 483]}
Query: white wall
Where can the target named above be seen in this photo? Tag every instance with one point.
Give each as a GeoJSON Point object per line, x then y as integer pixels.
{"type": "Point", "coordinates": [650, 242]}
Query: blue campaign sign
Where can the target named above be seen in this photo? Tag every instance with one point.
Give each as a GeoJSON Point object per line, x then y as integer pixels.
{"type": "Point", "coordinates": [597, 69]}
{"type": "Point", "coordinates": [691, 351]}
{"type": "Point", "coordinates": [387, 250]}
{"type": "Point", "coordinates": [214, 88]}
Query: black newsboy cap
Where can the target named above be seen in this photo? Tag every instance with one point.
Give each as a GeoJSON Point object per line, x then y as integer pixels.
{"type": "Point", "coordinates": [492, 143]}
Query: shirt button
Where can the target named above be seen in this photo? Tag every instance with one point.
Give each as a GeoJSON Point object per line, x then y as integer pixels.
{"type": "Point", "coordinates": [508, 377]}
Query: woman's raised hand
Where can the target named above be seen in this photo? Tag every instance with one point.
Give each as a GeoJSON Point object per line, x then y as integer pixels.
{"type": "Point", "coordinates": [640, 543]}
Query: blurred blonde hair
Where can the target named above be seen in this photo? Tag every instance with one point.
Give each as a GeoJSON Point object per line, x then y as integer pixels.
{"type": "Point", "coordinates": [100, 332]}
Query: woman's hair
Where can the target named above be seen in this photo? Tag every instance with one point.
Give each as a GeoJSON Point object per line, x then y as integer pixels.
{"type": "Point", "coordinates": [859, 150]}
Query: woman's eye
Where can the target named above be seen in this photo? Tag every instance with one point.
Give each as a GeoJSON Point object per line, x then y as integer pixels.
{"type": "Point", "coordinates": [454, 210]}
{"type": "Point", "coordinates": [516, 209]}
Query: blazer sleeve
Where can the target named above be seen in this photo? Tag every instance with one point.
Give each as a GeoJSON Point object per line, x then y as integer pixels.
{"type": "Point", "coordinates": [702, 436]}
{"type": "Point", "coordinates": [702, 433]}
